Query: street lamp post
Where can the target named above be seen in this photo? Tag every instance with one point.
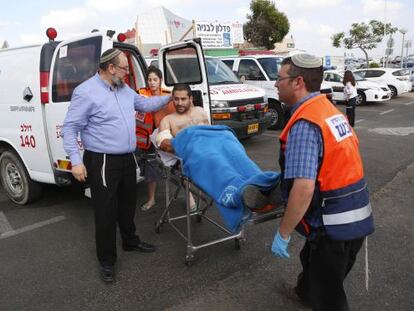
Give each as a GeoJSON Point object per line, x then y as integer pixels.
{"type": "Point", "coordinates": [403, 32]}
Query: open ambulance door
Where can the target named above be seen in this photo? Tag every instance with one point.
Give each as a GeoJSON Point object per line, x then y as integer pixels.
{"type": "Point", "coordinates": [184, 62]}
{"type": "Point", "coordinates": [74, 61]}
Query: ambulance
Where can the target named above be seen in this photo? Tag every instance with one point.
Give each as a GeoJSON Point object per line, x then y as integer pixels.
{"type": "Point", "coordinates": [36, 85]}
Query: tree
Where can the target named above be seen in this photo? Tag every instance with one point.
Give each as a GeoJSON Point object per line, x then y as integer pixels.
{"type": "Point", "coordinates": [363, 36]}
{"type": "Point", "coordinates": [266, 25]}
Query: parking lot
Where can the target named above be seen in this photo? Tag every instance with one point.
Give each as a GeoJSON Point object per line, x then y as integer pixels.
{"type": "Point", "coordinates": [48, 260]}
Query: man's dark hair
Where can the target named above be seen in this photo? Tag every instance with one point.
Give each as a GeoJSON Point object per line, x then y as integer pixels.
{"type": "Point", "coordinates": [154, 70]}
{"type": "Point", "coordinates": [311, 76]}
{"type": "Point", "coordinates": [182, 87]}
{"type": "Point", "coordinates": [114, 60]}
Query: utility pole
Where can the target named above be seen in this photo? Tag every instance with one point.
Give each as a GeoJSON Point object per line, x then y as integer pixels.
{"type": "Point", "coordinates": [403, 31]}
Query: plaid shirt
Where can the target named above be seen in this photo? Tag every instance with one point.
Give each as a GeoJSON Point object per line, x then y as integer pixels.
{"type": "Point", "coordinates": [304, 147]}
{"type": "Point", "coordinates": [304, 150]}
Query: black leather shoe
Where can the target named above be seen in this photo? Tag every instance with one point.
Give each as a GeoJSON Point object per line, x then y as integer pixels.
{"type": "Point", "coordinates": [107, 274]}
{"type": "Point", "coordinates": [140, 247]}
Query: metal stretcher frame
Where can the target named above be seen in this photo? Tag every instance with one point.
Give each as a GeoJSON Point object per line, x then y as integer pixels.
{"type": "Point", "coordinates": [175, 177]}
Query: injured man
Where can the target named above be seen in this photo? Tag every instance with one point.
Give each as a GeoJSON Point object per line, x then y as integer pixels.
{"type": "Point", "coordinates": [216, 161]}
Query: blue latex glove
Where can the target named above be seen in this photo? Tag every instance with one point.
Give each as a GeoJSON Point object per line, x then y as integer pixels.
{"type": "Point", "coordinates": [279, 246]}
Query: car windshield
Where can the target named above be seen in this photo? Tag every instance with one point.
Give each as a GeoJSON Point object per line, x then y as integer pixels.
{"type": "Point", "coordinates": [219, 73]}
{"type": "Point", "coordinates": [270, 66]}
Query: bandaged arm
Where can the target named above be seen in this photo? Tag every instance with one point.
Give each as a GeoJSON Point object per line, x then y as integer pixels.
{"type": "Point", "coordinates": [164, 136]}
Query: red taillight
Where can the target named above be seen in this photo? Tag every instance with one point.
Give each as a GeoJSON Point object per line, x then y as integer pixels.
{"type": "Point", "coordinates": [121, 37]}
{"type": "Point", "coordinates": [51, 33]}
{"type": "Point", "coordinates": [241, 108]}
{"type": "Point", "coordinates": [258, 106]}
{"type": "Point", "coordinates": [44, 87]}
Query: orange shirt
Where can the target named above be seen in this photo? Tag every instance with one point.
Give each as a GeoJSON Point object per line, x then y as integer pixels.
{"type": "Point", "coordinates": [160, 114]}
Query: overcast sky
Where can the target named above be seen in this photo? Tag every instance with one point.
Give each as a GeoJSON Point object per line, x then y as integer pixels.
{"type": "Point", "coordinates": [312, 22]}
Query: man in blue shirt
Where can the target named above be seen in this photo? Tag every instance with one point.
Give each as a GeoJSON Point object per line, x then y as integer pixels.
{"type": "Point", "coordinates": [102, 110]}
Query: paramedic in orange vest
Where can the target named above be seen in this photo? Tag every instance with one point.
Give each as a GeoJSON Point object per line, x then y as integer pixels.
{"type": "Point", "coordinates": [324, 186]}
{"type": "Point", "coordinates": [146, 123]}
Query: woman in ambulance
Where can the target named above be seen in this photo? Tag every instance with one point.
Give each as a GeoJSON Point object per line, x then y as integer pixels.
{"type": "Point", "coordinates": [146, 124]}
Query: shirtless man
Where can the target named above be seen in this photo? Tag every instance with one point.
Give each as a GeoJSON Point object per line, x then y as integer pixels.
{"type": "Point", "coordinates": [186, 115]}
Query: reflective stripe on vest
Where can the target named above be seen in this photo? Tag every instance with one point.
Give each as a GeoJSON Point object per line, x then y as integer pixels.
{"type": "Point", "coordinates": [347, 217]}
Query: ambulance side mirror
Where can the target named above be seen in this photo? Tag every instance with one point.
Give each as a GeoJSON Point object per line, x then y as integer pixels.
{"type": "Point", "coordinates": [27, 94]}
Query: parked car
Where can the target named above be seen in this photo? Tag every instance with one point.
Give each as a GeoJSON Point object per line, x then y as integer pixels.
{"type": "Point", "coordinates": [368, 91]}
{"type": "Point", "coordinates": [262, 71]}
{"type": "Point", "coordinates": [398, 80]}
{"type": "Point", "coordinates": [412, 79]}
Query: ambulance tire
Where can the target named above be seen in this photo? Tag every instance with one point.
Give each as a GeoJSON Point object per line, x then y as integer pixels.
{"type": "Point", "coordinates": [16, 180]}
{"type": "Point", "coordinates": [277, 113]}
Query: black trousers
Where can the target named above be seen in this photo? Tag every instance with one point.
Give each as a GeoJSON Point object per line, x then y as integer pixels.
{"type": "Point", "coordinates": [326, 263]}
{"type": "Point", "coordinates": [112, 179]}
{"type": "Point", "coordinates": [350, 110]}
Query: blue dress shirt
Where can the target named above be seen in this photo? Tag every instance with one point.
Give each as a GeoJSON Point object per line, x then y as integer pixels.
{"type": "Point", "coordinates": [105, 118]}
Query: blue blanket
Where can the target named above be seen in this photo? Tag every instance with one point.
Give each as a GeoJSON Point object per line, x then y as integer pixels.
{"type": "Point", "coordinates": [216, 162]}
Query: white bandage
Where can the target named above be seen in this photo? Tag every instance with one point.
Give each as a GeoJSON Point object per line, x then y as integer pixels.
{"type": "Point", "coordinates": [166, 134]}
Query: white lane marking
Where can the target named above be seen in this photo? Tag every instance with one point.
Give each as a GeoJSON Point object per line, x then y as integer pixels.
{"type": "Point", "coordinates": [386, 111]}
{"type": "Point", "coordinates": [31, 227]}
{"type": "Point", "coordinates": [270, 135]}
{"type": "Point", "coordinates": [359, 121]}
{"type": "Point", "coordinates": [397, 131]}
{"type": "Point", "coordinates": [4, 224]}
{"type": "Point", "coordinates": [408, 104]}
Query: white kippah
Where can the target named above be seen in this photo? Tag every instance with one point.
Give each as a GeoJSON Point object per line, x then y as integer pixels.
{"type": "Point", "coordinates": [109, 56]}
{"type": "Point", "coordinates": [306, 61]}
{"type": "Point", "coordinates": [166, 134]}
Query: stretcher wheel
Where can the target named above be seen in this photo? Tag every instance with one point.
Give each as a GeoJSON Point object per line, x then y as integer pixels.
{"type": "Point", "coordinates": [237, 244]}
{"type": "Point", "coordinates": [189, 259]}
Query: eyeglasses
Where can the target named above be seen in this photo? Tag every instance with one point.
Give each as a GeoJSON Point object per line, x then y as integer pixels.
{"type": "Point", "coordinates": [126, 68]}
{"type": "Point", "coordinates": [284, 78]}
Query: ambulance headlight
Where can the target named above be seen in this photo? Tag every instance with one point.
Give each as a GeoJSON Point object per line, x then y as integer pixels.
{"type": "Point", "coordinates": [219, 104]}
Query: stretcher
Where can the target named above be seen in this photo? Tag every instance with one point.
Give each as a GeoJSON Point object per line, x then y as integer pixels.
{"type": "Point", "coordinates": [177, 182]}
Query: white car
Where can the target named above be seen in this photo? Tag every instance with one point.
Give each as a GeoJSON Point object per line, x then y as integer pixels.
{"type": "Point", "coordinates": [398, 80]}
{"type": "Point", "coordinates": [368, 91]}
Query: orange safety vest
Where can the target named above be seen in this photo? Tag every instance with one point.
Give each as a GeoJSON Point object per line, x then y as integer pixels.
{"type": "Point", "coordinates": [146, 122]}
{"type": "Point", "coordinates": [341, 189]}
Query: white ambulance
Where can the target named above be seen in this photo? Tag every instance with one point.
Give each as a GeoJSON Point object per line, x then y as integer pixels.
{"type": "Point", "coordinates": [36, 85]}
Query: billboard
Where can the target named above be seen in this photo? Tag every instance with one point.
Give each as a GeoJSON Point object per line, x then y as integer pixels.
{"type": "Point", "coordinates": [215, 35]}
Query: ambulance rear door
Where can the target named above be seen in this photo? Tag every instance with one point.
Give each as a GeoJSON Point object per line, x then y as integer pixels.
{"type": "Point", "coordinates": [184, 62]}
{"type": "Point", "coordinates": [74, 61]}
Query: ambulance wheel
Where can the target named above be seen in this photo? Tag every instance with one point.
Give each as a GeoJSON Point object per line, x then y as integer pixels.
{"type": "Point", "coordinates": [16, 180]}
{"type": "Point", "coordinates": [277, 115]}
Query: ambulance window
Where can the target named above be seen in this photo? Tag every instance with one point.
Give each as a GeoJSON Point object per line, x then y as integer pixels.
{"type": "Point", "coordinates": [182, 66]}
{"type": "Point", "coordinates": [250, 70]}
{"type": "Point", "coordinates": [75, 63]}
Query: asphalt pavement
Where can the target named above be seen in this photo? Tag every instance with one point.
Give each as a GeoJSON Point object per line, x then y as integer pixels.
{"type": "Point", "coordinates": [48, 261]}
